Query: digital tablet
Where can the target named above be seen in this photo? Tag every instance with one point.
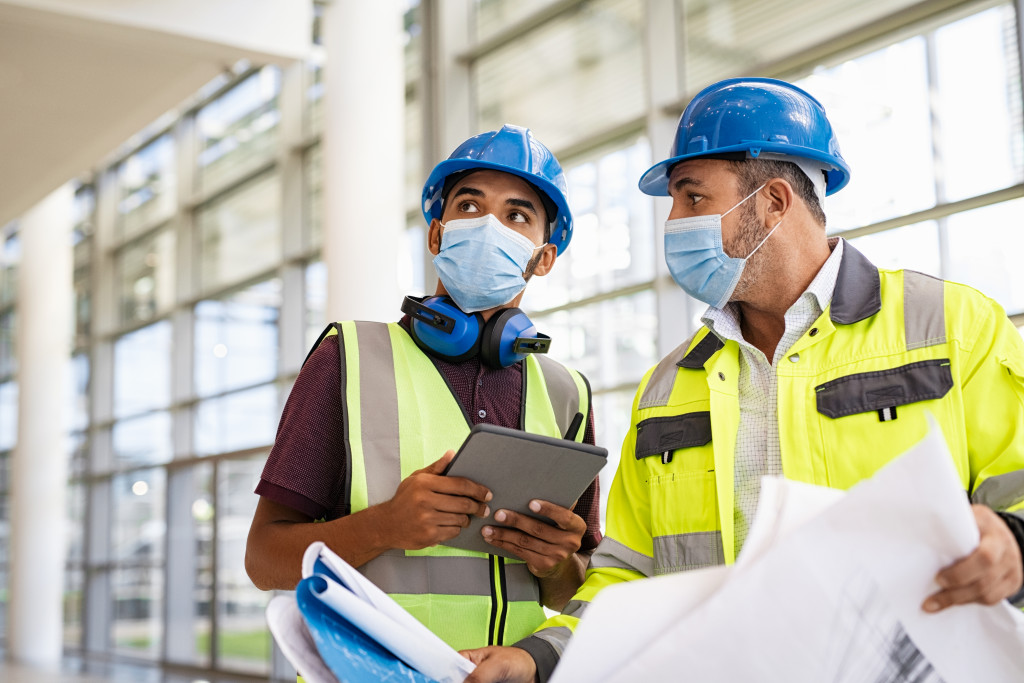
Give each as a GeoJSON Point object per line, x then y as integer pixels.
{"type": "Point", "coordinates": [519, 467]}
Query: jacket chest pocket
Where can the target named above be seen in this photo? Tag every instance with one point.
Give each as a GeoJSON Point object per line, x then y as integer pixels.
{"type": "Point", "coordinates": [869, 418]}
{"type": "Point", "coordinates": [664, 436]}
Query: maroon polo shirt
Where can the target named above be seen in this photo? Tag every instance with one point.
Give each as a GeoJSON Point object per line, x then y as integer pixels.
{"type": "Point", "coordinates": [305, 470]}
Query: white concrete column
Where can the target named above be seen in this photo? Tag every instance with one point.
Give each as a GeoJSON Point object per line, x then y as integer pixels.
{"type": "Point", "coordinates": [39, 468]}
{"type": "Point", "coordinates": [363, 144]}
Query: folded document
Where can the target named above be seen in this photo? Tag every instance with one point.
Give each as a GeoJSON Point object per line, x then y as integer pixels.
{"type": "Point", "coordinates": [341, 627]}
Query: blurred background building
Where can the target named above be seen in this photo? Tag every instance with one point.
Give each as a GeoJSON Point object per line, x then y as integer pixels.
{"type": "Point", "coordinates": [244, 172]}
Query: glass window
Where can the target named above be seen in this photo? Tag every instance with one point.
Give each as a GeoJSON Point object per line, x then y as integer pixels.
{"type": "Point", "coordinates": [142, 370]}
{"type": "Point", "coordinates": [578, 74]}
{"type": "Point", "coordinates": [491, 16]}
{"type": "Point", "coordinates": [8, 341]}
{"type": "Point", "coordinates": [146, 185]}
{"type": "Point", "coordinates": [74, 586]}
{"type": "Point", "coordinates": [143, 440]}
{"type": "Point", "coordinates": [411, 253]}
{"type": "Point", "coordinates": [78, 455]}
{"type": "Point", "coordinates": [612, 412]}
{"type": "Point", "coordinates": [240, 232]}
{"type": "Point", "coordinates": [733, 37]}
{"type": "Point", "coordinates": [986, 245]}
{"type": "Point", "coordinates": [879, 106]}
{"type": "Point", "coordinates": [315, 91]}
{"type": "Point", "coordinates": [613, 237]}
{"type": "Point", "coordinates": [913, 246]}
{"type": "Point", "coordinates": [611, 342]}
{"type": "Point", "coordinates": [8, 415]}
{"type": "Point", "coordinates": [238, 131]}
{"type": "Point", "coordinates": [314, 181]}
{"type": "Point", "coordinates": [84, 206]}
{"type": "Point", "coordinates": [82, 303]}
{"type": "Point", "coordinates": [75, 523]}
{"type": "Point", "coordinates": [138, 611]}
{"type": "Point", "coordinates": [79, 393]}
{"type": "Point", "coordinates": [10, 254]}
{"type": "Point", "coordinates": [236, 339]}
{"type": "Point", "coordinates": [316, 302]}
{"type": "Point", "coordinates": [146, 276]}
{"type": "Point", "coordinates": [980, 137]}
{"type": "Point", "coordinates": [243, 641]}
{"type": "Point", "coordinates": [139, 500]}
{"type": "Point", "coordinates": [245, 419]}
{"type": "Point", "coordinates": [197, 494]}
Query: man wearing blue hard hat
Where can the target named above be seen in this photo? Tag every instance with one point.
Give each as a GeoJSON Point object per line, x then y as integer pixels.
{"type": "Point", "coordinates": [376, 405]}
{"type": "Point", "coordinates": [811, 363]}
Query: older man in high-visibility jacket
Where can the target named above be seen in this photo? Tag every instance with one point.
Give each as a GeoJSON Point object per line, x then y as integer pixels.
{"type": "Point", "coordinates": [812, 363]}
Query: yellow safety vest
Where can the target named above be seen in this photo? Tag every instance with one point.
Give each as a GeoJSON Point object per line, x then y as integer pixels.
{"type": "Point", "coordinates": [400, 416]}
{"type": "Point", "coordinates": [853, 393]}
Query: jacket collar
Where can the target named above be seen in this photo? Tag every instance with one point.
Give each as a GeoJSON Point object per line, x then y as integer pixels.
{"type": "Point", "coordinates": [858, 295]}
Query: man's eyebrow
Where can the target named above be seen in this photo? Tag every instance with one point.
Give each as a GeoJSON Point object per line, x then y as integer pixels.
{"type": "Point", "coordinates": [522, 204]}
{"type": "Point", "coordinates": [686, 180]}
{"type": "Point", "coordinates": [466, 189]}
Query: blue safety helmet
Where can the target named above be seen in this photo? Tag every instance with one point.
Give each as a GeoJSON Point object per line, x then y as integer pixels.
{"type": "Point", "coordinates": [513, 150]}
{"type": "Point", "coordinates": [752, 115]}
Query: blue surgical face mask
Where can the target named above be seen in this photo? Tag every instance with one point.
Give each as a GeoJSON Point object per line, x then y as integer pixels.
{"type": "Point", "coordinates": [481, 262]}
{"type": "Point", "coordinates": [697, 261]}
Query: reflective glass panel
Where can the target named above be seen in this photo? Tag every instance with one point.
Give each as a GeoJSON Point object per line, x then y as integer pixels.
{"type": "Point", "coordinates": [74, 586]}
{"type": "Point", "coordinates": [139, 500]}
{"type": "Point", "coordinates": [8, 341]}
{"type": "Point", "coordinates": [314, 209]}
{"type": "Point", "coordinates": [142, 369]}
{"type": "Point", "coordinates": [78, 455]}
{"type": "Point", "coordinates": [246, 419]}
{"type": "Point", "coordinates": [728, 38]}
{"type": "Point", "coordinates": [236, 339]}
{"type": "Point", "coordinates": [146, 276]}
{"type": "Point", "coordinates": [8, 415]}
{"type": "Point", "coordinates": [238, 131]}
{"type": "Point", "coordinates": [571, 77]}
{"type": "Point", "coordinates": [316, 301]}
{"type": "Point", "coordinates": [138, 611]}
{"type": "Point", "coordinates": [613, 237]}
{"type": "Point", "coordinates": [611, 342]}
{"type": "Point", "coordinates": [491, 16]}
{"type": "Point", "coordinates": [143, 440]}
{"type": "Point", "coordinates": [79, 393]}
{"type": "Point", "coordinates": [985, 247]}
{"type": "Point", "coordinates": [10, 254]}
{"type": "Point", "coordinates": [243, 639]}
{"type": "Point", "coordinates": [879, 107]}
{"type": "Point", "coordinates": [147, 184]}
{"type": "Point", "coordinates": [979, 100]}
{"type": "Point", "coordinates": [913, 246]}
{"type": "Point", "coordinates": [75, 523]}
{"type": "Point", "coordinates": [240, 232]}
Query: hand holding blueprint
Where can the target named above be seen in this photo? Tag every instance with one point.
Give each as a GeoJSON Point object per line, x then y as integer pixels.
{"type": "Point", "coordinates": [828, 589]}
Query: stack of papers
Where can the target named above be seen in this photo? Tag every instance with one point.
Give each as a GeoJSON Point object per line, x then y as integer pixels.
{"type": "Point", "coordinates": [341, 627]}
{"type": "Point", "coordinates": [828, 588]}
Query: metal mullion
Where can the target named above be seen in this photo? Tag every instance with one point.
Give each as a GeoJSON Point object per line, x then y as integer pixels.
{"type": "Point", "coordinates": [205, 196]}
{"type": "Point", "coordinates": [936, 212]}
{"type": "Point", "coordinates": [517, 30]}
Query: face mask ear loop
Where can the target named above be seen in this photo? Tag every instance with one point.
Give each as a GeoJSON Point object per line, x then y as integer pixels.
{"type": "Point", "coordinates": [745, 199]}
{"type": "Point", "coordinates": [764, 240]}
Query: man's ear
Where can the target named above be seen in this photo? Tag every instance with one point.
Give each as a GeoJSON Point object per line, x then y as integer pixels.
{"type": "Point", "coordinates": [434, 237]}
{"type": "Point", "coordinates": [547, 260]}
{"type": "Point", "coordinates": [780, 200]}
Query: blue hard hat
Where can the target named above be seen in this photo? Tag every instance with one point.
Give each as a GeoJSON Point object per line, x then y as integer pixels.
{"type": "Point", "coordinates": [753, 115]}
{"type": "Point", "coordinates": [514, 150]}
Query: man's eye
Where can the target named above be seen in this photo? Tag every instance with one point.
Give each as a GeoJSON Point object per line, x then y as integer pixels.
{"type": "Point", "coordinates": [518, 217]}
{"type": "Point", "coordinates": [695, 198]}
{"type": "Point", "coordinates": [468, 207]}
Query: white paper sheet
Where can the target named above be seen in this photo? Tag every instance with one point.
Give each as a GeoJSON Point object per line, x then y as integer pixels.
{"type": "Point", "coordinates": [289, 630]}
{"type": "Point", "coordinates": [830, 592]}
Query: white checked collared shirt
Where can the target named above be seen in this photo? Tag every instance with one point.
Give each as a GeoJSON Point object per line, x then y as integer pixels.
{"type": "Point", "coordinates": [758, 452]}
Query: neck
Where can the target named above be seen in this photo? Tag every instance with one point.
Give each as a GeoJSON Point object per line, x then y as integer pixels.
{"type": "Point", "coordinates": [763, 307]}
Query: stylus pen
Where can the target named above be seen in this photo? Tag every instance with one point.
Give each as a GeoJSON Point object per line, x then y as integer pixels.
{"type": "Point", "coordinates": [574, 427]}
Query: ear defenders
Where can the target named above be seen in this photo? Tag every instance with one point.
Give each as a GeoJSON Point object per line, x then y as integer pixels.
{"type": "Point", "coordinates": [442, 329]}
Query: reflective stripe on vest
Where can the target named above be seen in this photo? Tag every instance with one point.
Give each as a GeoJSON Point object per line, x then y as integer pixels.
{"type": "Point", "coordinates": [469, 599]}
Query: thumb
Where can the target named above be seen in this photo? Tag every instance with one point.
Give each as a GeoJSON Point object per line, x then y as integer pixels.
{"type": "Point", "coordinates": [439, 465]}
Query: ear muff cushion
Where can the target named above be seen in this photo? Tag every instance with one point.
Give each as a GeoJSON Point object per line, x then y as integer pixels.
{"type": "Point", "coordinates": [462, 343]}
{"type": "Point", "coordinates": [498, 337]}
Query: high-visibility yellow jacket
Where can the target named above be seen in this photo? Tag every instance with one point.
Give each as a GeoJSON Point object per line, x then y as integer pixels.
{"type": "Point", "coordinates": [400, 416]}
{"type": "Point", "coordinates": [853, 393]}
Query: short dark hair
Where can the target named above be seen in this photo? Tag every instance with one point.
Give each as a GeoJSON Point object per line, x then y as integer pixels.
{"type": "Point", "coordinates": [550, 210]}
{"type": "Point", "coordinates": [752, 173]}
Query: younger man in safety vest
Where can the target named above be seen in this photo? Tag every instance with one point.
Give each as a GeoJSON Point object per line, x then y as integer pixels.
{"type": "Point", "coordinates": [376, 405]}
{"type": "Point", "coordinates": [812, 363]}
